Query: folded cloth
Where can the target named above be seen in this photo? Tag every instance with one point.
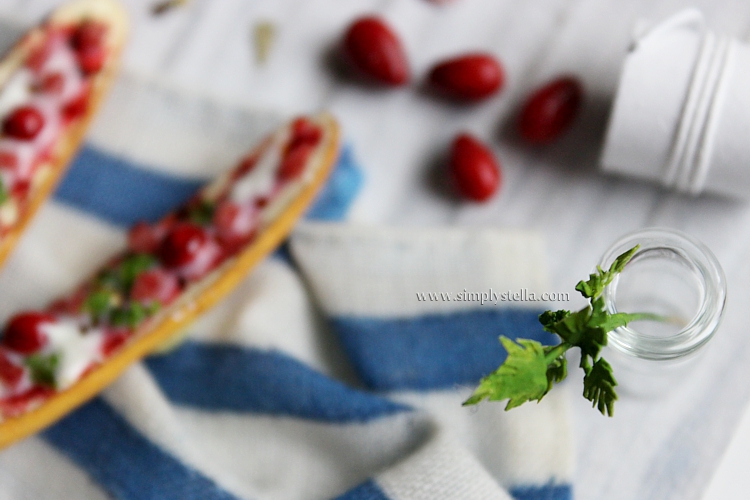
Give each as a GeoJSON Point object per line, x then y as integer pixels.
{"type": "Point", "coordinates": [326, 376]}
{"type": "Point", "coordinates": [418, 313]}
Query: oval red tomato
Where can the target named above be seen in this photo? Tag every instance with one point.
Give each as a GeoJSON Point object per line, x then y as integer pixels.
{"type": "Point", "coordinates": [373, 48]}
{"type": "Point", "coordinates": [551, 110]}
{"type": "Point", "coordinates": [24, 333]}
{"type": "Point", "coordinates": [474, 168]}
{"type": "Point", "coordinates": [468, 77]}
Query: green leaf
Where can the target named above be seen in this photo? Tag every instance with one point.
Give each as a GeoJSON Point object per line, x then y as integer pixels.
{"type": "Point", "coordinates": [99, 303]}
{"type": "Point", "coordinates": [530, 370]}
{"type": "Point", "coordinates": [121, 277]}
{"type": "Point", "coordinates": [557, 370]}
{"type": "Point", "coordinates": [132, 266]}
{"type": "Point", "coordinates": [601, 278]}
{"type": "Point", "coordinates": [599, 387]}
{"type": "Point", "coordinates": [572, 328]}
{"type": "Point", "coordinates": [130, 316]}
{"type": "Point", "coordinates": [521, 378]}
{"type": "Point", "coordinates": [203, 213]}
{"type": "Point", "coordinates": [4, 194]}
{"type": "Point", "coordinates": [43, 369]}
{"type": "Point", "coordinates": [133, 314]}
{"type": "Point", "coordinates": [109, 279]}
{"type": "Point", "coordinates": [549, 318]}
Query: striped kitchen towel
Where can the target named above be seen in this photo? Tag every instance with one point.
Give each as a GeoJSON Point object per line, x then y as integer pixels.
{"type": "Point", "coordinates": [330, 375]}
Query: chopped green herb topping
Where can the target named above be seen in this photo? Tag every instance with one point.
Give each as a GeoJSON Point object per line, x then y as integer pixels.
{"type": "Point", "coordinates": [108, 278]}
{"type": "Point", "coordinates": [203, 213]}
{"type": "Point", "coordinates": [122, 277]}
{"type": "Point", "coordinates": [134, 265]}
{"type": "Point", "coordinates": [133, 314]}
{"type": "Point", "coordinates": [4, 194]}
{"type": "Point", "coordinates": [99, 303]}
{"type": "Point", "coordinates": [43, 369]}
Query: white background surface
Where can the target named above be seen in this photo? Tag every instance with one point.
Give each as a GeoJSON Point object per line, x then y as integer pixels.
{"type": "Point", "coordinates": [653, 449]}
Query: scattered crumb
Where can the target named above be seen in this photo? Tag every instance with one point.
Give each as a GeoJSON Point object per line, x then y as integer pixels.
{"type": "Point", "coordinates": [166, 5]}
{"type": "Point", "coordinates": [263, 36]}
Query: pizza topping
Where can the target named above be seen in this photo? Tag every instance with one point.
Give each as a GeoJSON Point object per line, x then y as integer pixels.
{"type": "Point", "coordinates": [113, 341]}
{"type": "Point", "coordinates": [235, 223]}
{"type": "Point", "coordinates": [44, 352]}
{"type": "Point", "coordinates": [78, 106]}
{"type": "Point", "coordinates": [155, 285]}
{"type": "Point", "coordinates": [87, 40]}
{"type": "Point", "coordinates": [24, 333]}
{"type": "Point", "coordinates": [17, 403]}
{"type": "Point", "coordinates": [39, 101]}
{"type": "Point", "coordinates": [23, 123]}
{"type": "Point", "coordinates": [183, 245]}
{"type": "Point", "coordinates": [16, 91]}
{"type": "Point", "coordinates": [70, 305]}
{"type": "Point", "coordinates": [72, 348]}
{"type": "Point", "coordinates": [143, 237]}
{"type": "Point", "coordinates": [88, 35]}
{"type": "Point", "coordinates": [261, 179]}
{"type": "Point", "coordinates": [53, 83]}
{"type": "Point", "coordinates": [10, 373]}
{"type": "Point", "coordinates": [304, 140]}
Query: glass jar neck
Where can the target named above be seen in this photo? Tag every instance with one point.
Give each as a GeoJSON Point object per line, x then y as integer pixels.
{"type": "Point", "coordinates": [674, 278]}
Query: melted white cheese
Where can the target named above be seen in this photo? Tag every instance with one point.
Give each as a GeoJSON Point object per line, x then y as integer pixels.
{"type": "Point", "coordinates": [62, 61]}
{"type": "Point", "coordinates": [49, 107]}
{"type": "Point", "coordinates": [260, 181]}
{"type": "Point", "coordinates": [77, 349]}
{"type": "Point", "coordinates": [16, 91]}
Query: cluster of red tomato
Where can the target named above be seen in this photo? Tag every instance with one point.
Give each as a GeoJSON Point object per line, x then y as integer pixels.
{"type": "Point", "coordinates": [376, 52]}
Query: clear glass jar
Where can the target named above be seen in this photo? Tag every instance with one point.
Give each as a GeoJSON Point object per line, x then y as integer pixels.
{"type": "Point", "coordinates": [678, 278]}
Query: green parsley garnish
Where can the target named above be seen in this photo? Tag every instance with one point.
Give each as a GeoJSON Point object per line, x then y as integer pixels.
{"type": "Point", "coordinates": [43, 369]}
{"type": "Point", "coordinates": [4, 194]}
{"type": "Point", "coordinates": [134, 265]}
{"type": "Point", "coordinates": [99, 303]}
{"type": "Point", "coordinates": [122, 277]}
{"type": "Point", "coordinates": [132, 314]}
{"type": "Point", "coordinates": [531, 369]}
{"type": "Point", "coordinates": [203, 213]}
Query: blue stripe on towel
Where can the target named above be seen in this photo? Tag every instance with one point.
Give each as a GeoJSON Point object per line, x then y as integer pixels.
{"type": "Point", "coordinates": [339, 192]}
{"type": "Point", "coordinates": [547, 492]}
{"type": "Point", "coordinates": [121, 192]}
{"type": "Point", "coordinates": [435, 351]}
{"type": "Point", "coordinates": [224, 377]}
{"type": "Point", "coordinates": [365, 491]}
{"type": "Point", "coordinates": [124, 462]}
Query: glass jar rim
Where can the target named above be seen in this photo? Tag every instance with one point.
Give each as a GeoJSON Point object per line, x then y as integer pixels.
{"type": "Point", "coordinates": [704, 323]}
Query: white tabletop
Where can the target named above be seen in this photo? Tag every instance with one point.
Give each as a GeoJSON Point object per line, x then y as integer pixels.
{"type": "Point", "coordinates": [652, 449]}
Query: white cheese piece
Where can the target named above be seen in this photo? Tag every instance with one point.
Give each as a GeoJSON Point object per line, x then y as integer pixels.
{"type": "Point", "coordinates": [77, 350]}
{"type": "Point", "coordinates": [261, 179]}
{"type": "Point", "coordinates": [50, 110]}
{"type": "Point", "coordinates": [7, 177]}
{"type": "Point", "coordinates": [25, 153]}
{"type": "Point", "coordinates": [16, 91]}
{"type": "Point", "coordinates": [63, 62]}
